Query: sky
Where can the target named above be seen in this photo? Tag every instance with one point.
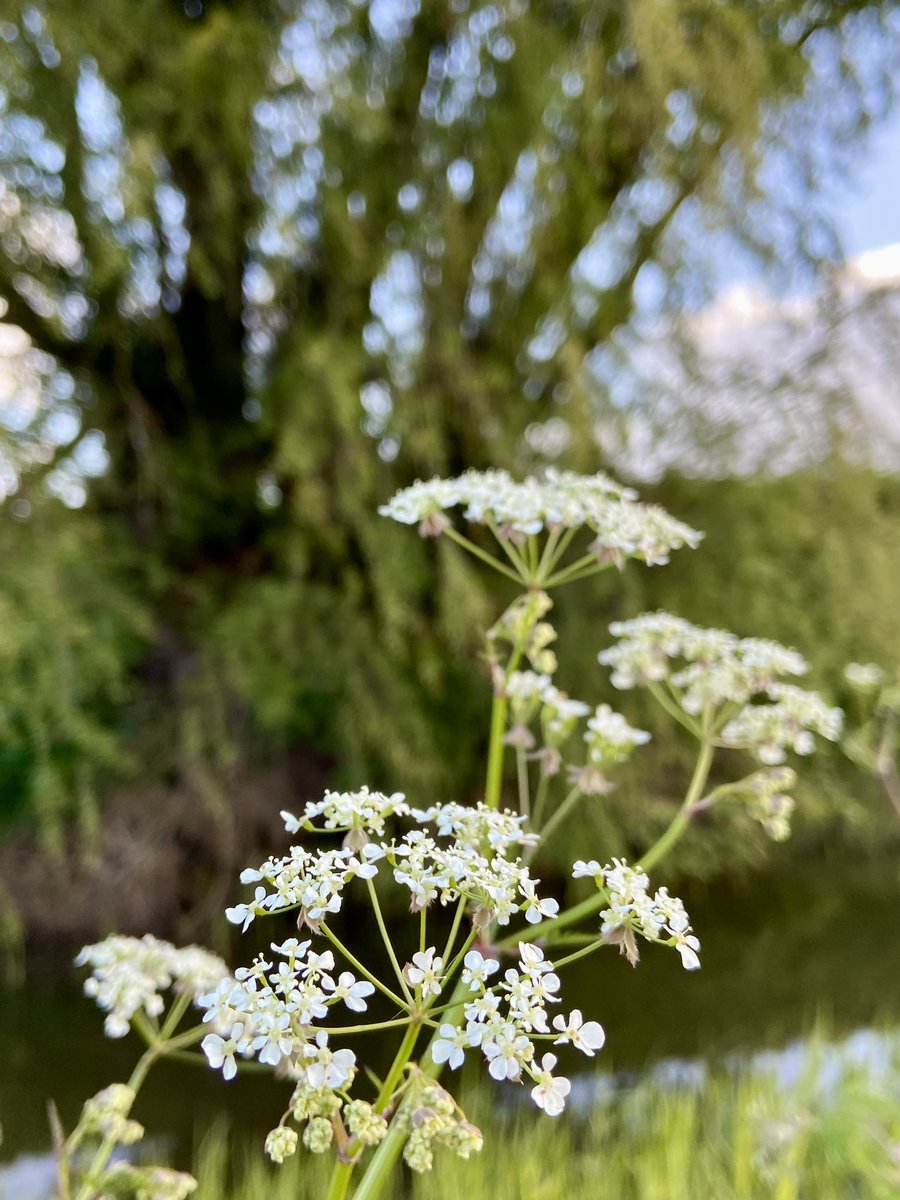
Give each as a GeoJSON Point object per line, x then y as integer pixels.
{"type": "Point", "coordinates": [867, 208]}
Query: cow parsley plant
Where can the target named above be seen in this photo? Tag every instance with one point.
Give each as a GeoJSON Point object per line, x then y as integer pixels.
{"type": "Point", "coordinates": [476, 971]}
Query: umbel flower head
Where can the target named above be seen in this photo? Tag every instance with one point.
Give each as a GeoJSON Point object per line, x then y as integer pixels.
{"type": "Point", "coordinates": [130, 975]}
{"type": "Point", "coordinates": [623, 527]}
{"type": "Point", "coordinates": [279, 1009]}
{"type": "Point", "coordinates": [712, 671]}
{"type": "Point", "coordinates": [633, 911]}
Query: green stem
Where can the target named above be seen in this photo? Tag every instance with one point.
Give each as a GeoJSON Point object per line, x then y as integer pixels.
{"type": "Point", "coordinates": [373, 979]}
{"type": "Point", "coordinates": [448, 973]}
{"type": "Point", "coordinates": [661, 847]}
{"type": "Point", "coordinates": [454, 929]}
{"type": "Point", "coordinates": [494, 778]}
{"type": "Point", "coordinates": [664, 844]}
{"type": "Point", "coordinates": [101, 1158]}
{"type": "Point", "coordinates": [176, 1012]}
{"type": "Point", "coordinates": [190, 1037]}
{"type": "Point", "coordinates": [482, 554]}
{"type": "Point", "coordinates": [522, 778]}
{"type": "Point", "coordinates": [581, 568]}
{"type": "Point", "coordinates": [340, 1181]}
{"type": "Point", "coordinates": [561, 813]}
{"type": "Point", "coordinates": [559, 963]}
{"type": "Point", "coordinates": [377, 1173]}
{"type": "Point", "coordinates": [548, 563]}
{"type": "Point", "coordinates": [345, 1030]}
{"type": "Point", "coordinates": [512, 554]}
{"type": "Point", "coordinates": [584, 573]}
{"type": "Point", "coordinates": [676, 713]}
{"type": "Point", "coordinates": [402, 1057]}
{"type": "Point", "coordinates": [569, 916]}
{"type": "Point", "coordinates": [549, 558]}
{"type": "Point", "coordinates": [540, 799]}
{"type": "Point", "coordinates": [388, 944]}
{"type": "Point", "coordinates": [380, 1165]}
{"type": "Point", "coordinates": [531, 547]}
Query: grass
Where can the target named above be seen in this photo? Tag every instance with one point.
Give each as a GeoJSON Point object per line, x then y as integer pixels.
{"type": "Point", "coordinates": [832, 1134]}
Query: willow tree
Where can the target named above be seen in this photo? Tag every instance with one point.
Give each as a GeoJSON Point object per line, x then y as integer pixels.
{"type": "Point", "coordinates": [274, 259]}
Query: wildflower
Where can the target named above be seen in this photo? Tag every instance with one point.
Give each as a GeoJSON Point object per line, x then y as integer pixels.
{"type": "Point", "coordinates": [506, 1051]}
{"type": "Point", "coordinates": [330, 1068]}
{"type": "Point", "coordinates": [550, 1092]}
{"type": "Point", "coordinates": [477, 969]}
{"type": "Point", "coordinates": [451, 1046]}
{"type": "Point", "coordinates": [245, 914]}
{"type": "Point", "coordinates": [349, 989]}
{"type": "Point", "coordinates": [687, 946]}
{"type": "Point", "coordinates": [706, 667]}
{"type": "Point", "coordinates": [130, 974]}
{"type": "Point", "coordinates": [147, 1183]}
{"type": "Point", "coordinates": [623, 527]}
{"type": "Point", "coordinates": [658, 918]}
{"type": "Point", "coordinates": [273, 1041]}
{"type": "Point", "coordinates": [536, 909]}
{"type": "Point", "coordinates": [425, 972]}
{"type": "Point", "coordinates": [586, 1036]}
{"type": "Point", "coordinates": [317, 964]}
{"type": "Point", "coordinates": [220, 1051]}
{"type": "Point", "coordinates": [106, 1114]}
{"type": "Point", "coordinates": [610, 739]}
{"type": "Point", "coordinates": [789, 723]}
{"type": "Point", "coordinates": [586, 870]}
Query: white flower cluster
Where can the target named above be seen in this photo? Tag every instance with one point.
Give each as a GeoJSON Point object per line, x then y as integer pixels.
{"type": "Point", "coordinates": [476, 825]}
{"type": "Point", "coordinates": [865, 676]}
{"type": "Point", "coordinates": [496, 887]}
{"type": "Point", "coordinates": [709, 668]}
{"type": "Point", "coordinates": [130, 974]}
{"type": "Point", "coordinates": [610, 742]}
{"type": "Point", "coordinates": [787, 724]}
{"type": "Point", "coordinates": [343, 811]}
{"type": "Point", "coordinates": [314, 881]}
{"type": "Point", "coordinates": [658, 918]}
{"type": "Point", "coordinates": [268, 1012]}
{"type": "Point", "coordinates": [720, 666]}
{"type": "Point", "coordinates": [610, 739]}
{"type": "Point", "coordinates": [501, 1018]}
{"type": "Point", "coordinates": [769, 803]}
{"type": "Point", "coordinates": [534, 695]}
{"type": "Point", "coordinates": [623, 526]}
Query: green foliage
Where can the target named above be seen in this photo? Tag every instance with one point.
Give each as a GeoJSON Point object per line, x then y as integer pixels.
{"type": "Point", "coordinates": [733, 1138]}
{"type": "Point", "coordinates": [197, 225]}
{"type": "Point", "coordinates": [71, 632]}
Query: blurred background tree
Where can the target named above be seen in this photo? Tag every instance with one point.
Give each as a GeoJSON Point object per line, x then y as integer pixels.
{"type": "Point", "coordinates": [262, 264]}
